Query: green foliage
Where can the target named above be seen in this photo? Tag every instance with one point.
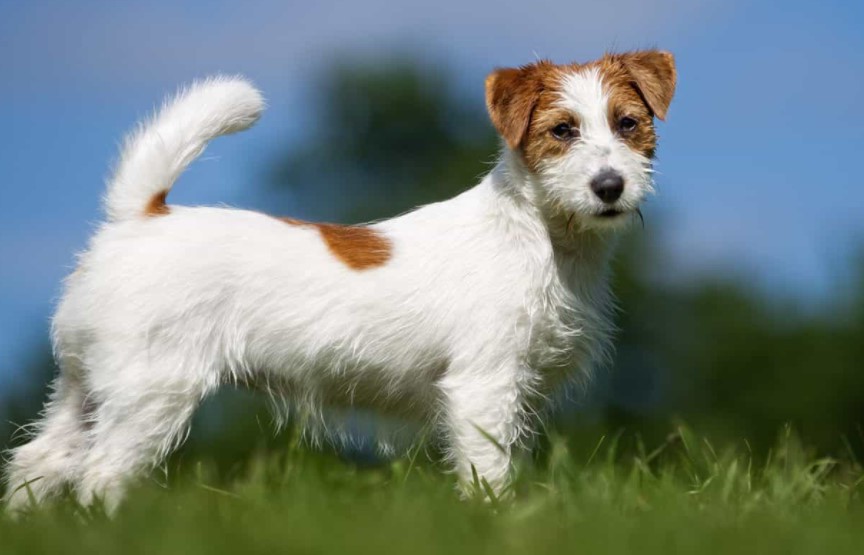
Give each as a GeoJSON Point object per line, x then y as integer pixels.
{"type": "Point", "coordinates": [736, 362]}
{"type": "Point", "coordinates": [684, 495]}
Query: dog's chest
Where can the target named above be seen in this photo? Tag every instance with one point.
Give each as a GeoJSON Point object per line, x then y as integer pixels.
{"type": "Point", "coordinates": [570, 328]}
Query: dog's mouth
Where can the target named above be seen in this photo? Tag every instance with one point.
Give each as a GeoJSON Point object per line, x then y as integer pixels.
{"type": "Point", "coordinates": [610, 213]}
{"type": "Point", "coordinates": [615, 213]}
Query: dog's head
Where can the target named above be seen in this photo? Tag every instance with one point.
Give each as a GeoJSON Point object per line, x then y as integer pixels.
{"type": "Point", "coordinates": [585, 131]}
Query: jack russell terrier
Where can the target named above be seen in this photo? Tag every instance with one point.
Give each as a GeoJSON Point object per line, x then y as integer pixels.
{"type": "Point", "coordinates": [465, 313]}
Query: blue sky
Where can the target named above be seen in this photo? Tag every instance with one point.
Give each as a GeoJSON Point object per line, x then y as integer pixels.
{"type": "Point", "coordinates": [757, 161]}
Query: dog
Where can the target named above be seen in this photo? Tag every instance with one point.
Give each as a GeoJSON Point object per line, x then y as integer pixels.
{"type": "Point", "coordinates": [466, 314]}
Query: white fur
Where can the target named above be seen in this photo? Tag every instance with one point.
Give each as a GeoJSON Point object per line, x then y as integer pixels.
{"type": "Point", "coordinates": [160, 150]}
{"type": "Point", "coordinates": [482, 309]}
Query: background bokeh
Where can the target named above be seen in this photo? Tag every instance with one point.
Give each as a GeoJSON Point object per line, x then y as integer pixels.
{"type": "Point", "coordinates": [742, 299]}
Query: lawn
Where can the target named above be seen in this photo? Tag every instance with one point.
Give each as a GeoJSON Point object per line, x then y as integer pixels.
{"type": "Point", "coordinates": [684, 495]}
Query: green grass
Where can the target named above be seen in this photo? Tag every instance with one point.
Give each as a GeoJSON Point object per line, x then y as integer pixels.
{"type": "Point", "coordinates": [683, 496]}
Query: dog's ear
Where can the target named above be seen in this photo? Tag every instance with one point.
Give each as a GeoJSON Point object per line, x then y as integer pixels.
{"type": "Point", "coordinates": [511, 95]}
{"type": "Point", "coordinates": [653, 73]}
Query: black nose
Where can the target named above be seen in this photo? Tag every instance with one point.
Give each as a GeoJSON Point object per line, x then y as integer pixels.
{"type": "Point", "coordinates": [608, 185]}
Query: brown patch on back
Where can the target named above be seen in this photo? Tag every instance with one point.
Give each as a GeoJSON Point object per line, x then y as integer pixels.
{"type": "Point", "coordinates": [157, 205]}
{"type": "Point", "coordinates": [358, 247]}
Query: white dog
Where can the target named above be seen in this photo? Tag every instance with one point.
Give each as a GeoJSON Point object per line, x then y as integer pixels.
{"type": "Point", "coordinates": [464, 313]}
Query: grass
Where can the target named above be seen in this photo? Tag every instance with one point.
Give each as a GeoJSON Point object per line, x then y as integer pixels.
{"type": "Point", "coordinates": [683, 496]}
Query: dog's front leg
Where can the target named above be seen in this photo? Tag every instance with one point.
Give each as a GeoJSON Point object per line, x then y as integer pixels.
{"type": "Point", "coordinates": [483, 419]}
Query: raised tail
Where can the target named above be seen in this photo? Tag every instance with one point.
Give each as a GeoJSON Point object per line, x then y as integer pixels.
{"type": "Point", "coordinates": [154, 156]}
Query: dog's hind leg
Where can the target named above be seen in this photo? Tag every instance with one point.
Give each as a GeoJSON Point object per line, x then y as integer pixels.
{"type": "Point", "coordinates": [41, 468]}
{"type": "Point", "coordinates": [139, 421]}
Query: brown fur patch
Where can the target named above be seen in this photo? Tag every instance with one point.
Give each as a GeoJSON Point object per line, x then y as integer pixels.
{"type": "Point", "coordinates": [540, 144]}
{"type": "Point", "coordinates": [654, 76]}
{"type": "Point", "coordinates": [157, 205]}
{"type": "Point", "coordinates": [522, 101]}
{"type": "Point", "coordinates": [626, 101]}
{"type": "Point", "coordinates": [358, 247]}
{"type": "Point", "coordinates": [512, 95]}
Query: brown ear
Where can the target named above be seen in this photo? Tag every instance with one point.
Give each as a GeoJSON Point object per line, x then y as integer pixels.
{"type": "Point", "coordinates": [511, 95]}
{"type": "Point", "coordinates": [653, 73]}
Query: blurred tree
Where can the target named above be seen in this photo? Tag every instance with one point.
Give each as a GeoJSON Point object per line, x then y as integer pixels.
{"type": "Point", "coordinates": [736, 362]}
{"type": "Point", "coordinates": [21, 403]}
{"type": "Point", "coordinates": [387, 137]}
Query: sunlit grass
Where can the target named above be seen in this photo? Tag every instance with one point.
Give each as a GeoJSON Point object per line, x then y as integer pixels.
{"type": "Point", "coordinates": [684, 495]}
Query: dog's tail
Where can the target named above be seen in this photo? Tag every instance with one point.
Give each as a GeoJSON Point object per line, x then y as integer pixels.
{"type": "Point", "coordinates": [154, 156]}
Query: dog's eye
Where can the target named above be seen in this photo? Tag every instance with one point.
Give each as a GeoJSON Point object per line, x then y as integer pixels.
{"type": "Point", "coordinates": [564, 131]}
{"type": "Point", "coordinates": [627, 124]}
